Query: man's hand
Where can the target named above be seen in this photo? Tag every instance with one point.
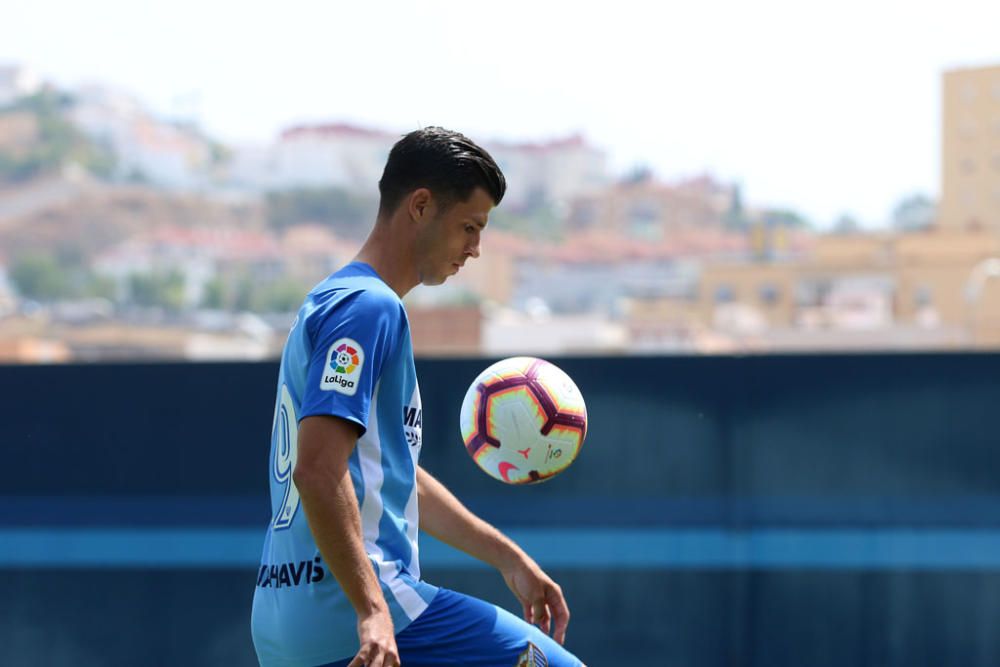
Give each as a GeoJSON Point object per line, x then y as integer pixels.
{"type": "Point", "coordinates": [378, 642]}
{"type": "Point", "coordinates": [541, 598]}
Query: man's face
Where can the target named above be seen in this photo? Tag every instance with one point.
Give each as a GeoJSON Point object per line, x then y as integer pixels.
{"type": "Point", "coordinates": [451, 238]}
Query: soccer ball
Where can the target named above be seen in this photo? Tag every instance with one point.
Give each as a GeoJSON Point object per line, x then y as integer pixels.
{"type": "Point", "coordinates": [523, 420]}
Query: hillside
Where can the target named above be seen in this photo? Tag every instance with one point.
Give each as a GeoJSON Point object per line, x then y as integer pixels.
{"type": "Point", "coordinates": [85, 218]}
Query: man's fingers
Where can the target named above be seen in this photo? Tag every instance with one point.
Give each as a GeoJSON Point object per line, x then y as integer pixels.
{"type": "Point", "coordinates": [560, 613]}
{"type": "Point", "coordinates": [541, 615]}
{"type": "Point", "coordinates": [561, 618]}
{"type": "Point", "coordinates": [382, 659]}
{"type": "Point", "coordinates": [374, 656]}
{"type": "Point", "coordinates": [527, 611]}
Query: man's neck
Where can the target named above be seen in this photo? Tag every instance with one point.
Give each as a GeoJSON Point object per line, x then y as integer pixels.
{"type": "Point", "coordinates": [389, 259]}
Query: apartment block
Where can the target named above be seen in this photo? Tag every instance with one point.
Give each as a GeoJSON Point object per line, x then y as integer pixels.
{"type": "Point", "coordinates": [970, 151]}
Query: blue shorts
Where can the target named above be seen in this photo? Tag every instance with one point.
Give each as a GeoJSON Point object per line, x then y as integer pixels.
{"type": "Point", "coordinates": [457, 629]}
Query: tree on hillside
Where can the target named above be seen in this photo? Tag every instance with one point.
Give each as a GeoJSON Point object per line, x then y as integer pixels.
{"type": "Point", "coordinates": [58, 144]}
{"type": "Point", "coordinates": [914, 213]}
{"type": "Point", "coordinates": [163, 289]}
{"type": "Point", "coordinates": [346, 213]}
{"type": "Point", "coordinates": [846, 224]}
{"type": "Point", "coordinates": [40, 277]}
{"type": "Point", "coordinates": [735, 216]}
{"type": "Point", "coordinates": [245, 294]}
{"type": "Point", "coordinates": [46, 277]}
{"type": "Point", "coordinates": [214, 296]}
{"type": "Point", "coordinates": [541, 223]}
{"type": "Point", "coordinates": [638, 174]}
{"type": "Point", "coordinates": [783, 217]}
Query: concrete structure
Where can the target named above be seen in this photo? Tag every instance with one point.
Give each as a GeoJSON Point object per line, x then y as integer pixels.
{"type": "Point", "coordinates": [33, 351]}
{"type": "Point", "coordinates": [146, 148]}
{"type": "Point", "coordinates": [46, 338]}
{"type": "Point", "coordinates": [970, 150]}
{"type": "Point", "coordinates": [446, 330]}
{"type": "Point", "coordinates": [651, 210]}
{"type": "Point", "coordinates": [552, 172]}
{"type": "Point", "coordinates": [337, 154]}
{"type": "Point", "coordinates": [201, 254]}
{"type": "Point", "coordinates": [353, 157]}
{"type": "Point", "coordinates": [509, 332]}
{"type": "Point", "coordinates": [312, 252]}
{"type": "Point", "coordinates": [493, 275]}
{"type": "Point", "coordinates": [939, 288]}
{"type": "Point", "coordinates": [593, 271]}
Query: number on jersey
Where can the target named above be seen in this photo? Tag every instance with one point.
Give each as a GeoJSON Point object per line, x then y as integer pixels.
{"type": "Point", "coordinates": [286, 434]}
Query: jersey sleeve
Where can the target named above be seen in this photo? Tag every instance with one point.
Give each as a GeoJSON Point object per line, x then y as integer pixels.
{"type": "Point", "coordinates": [351, 344]}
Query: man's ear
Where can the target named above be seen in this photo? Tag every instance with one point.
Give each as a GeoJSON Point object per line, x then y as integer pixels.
{"type": "Point", "coordinates": [420, 204]}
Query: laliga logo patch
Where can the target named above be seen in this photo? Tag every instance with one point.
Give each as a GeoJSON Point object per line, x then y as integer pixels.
{"type": "Point", "coordinates": [343, 367]}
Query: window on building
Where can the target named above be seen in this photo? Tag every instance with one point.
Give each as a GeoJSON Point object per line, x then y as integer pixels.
{"type": "Point", "coordinates": [584, 215]}
{"type": "Point", "coordinates": [811, 293]}
{"type": "Point", "coordinates": [642, 211]}
{"type": "Point", "coordinates": [725, 294]}
{"type": "Point", "coordinates": [923, 296]}
{"type": "Point", "coordinates": [769, 294]}
{"type": "Point", "coordinates": [644, 220]}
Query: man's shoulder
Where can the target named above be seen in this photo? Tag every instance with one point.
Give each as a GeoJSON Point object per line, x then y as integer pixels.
{"type": "Point", "coordinates": [355, 288]}
{"type": "Point", "coordinates": [362, 301]}
{"type": "Point", "coordinates": [351, 296]}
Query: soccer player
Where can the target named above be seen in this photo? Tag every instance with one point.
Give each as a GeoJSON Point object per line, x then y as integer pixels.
{"type": "Point", "coordinates": [339, 581]}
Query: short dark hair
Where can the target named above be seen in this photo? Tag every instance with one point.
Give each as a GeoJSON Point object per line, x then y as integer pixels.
{"type": "Point", "coordinates": [447, 163]}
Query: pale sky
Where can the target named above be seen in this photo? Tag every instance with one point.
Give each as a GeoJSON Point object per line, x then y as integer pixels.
{"type": "Point", "coordinates": [826, 108]}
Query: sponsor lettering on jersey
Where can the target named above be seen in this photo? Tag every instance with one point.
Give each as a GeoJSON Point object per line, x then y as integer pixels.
{"type": "Point", "coordinates": [342, 371]}
{"type": "Point", "coordinates": [291, 574]}
{"type": "Point", "coordinates": [413, 420]}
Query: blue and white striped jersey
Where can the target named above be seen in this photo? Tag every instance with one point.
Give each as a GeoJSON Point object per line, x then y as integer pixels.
{"type": "Point", "coordinates": [348, 354]}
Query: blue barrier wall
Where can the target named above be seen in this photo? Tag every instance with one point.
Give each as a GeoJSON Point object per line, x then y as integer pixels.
{"type": "Point", "coordinates": [820, 510]}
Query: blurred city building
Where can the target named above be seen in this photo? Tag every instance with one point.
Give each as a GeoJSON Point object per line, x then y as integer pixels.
{"type": "Point", "coordinates": [147, 239]}
{"type": "Point", "coordinates": [647, 209]}
{"type": "Point", "coordinates": [551, 172]}
{"type": "Point", "coordinates": [147, 149]}
{"type": "Point", "coordinates": [304, 156]}
{"type": "Point", "coordinates": [48, 336]}
{"type": "Point", "coordinates": [867, 290]}
{"type": "Point", "coordinates": [970, 149]}
{"type": "Point", "coordinates": [446, 330]}
{"type": "Point", "coordinates": [352, 157]}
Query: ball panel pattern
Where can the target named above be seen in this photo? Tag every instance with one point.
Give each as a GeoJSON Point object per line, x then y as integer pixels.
{"type": "Point", "coordinates": [523, 420]}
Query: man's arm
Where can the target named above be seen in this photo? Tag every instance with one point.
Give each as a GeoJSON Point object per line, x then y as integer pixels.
{"type": "Point", "coordinates": [446, 518]}
{"type": "Point", "coordinates": [323, 479]}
